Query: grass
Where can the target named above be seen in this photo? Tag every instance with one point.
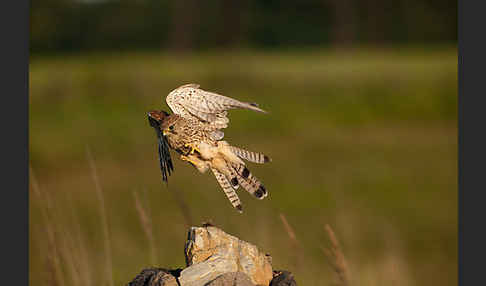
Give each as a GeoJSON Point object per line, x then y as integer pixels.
{"type": "Point", "coordinates": [146, 223]}
{"type": "Point", "coordinates": [364, 140]}
{"type": "Point", "coordinates": [336, 257]}
{"type": "Point", "coordinates": [104, 220]}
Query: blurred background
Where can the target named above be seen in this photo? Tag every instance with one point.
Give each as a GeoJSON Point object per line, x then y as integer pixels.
{"type": "Point", "coordinates": [362, 131]}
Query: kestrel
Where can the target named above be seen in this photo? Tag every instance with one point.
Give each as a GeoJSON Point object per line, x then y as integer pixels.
{"type": "Point", "coordinates": [194, 130]}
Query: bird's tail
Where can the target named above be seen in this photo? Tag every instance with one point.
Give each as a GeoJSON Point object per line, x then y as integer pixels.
{"type": "Point", "coordinates": [250, 156]}
{"type": "Point", "coordinates": [239, 173]}
{"type": "Point", "coordinates": [228, 189]}
{"type": "Point", "coordinates": [231, 172]}
{"type": "Point", "coordinates": [249, 182]}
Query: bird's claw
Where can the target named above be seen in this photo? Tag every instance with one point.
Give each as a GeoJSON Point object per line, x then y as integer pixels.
{"type": "Point", "coordinates": [193, 149]}
{"type": "Point", "coordinates": [186, 158]}
{"type": "Point", "coordinates": [193, 161]}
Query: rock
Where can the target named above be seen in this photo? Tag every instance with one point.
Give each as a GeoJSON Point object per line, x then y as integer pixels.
{"type": "Point", "coordinates": [215, 258]}
{"type": "Point", "coordinates": [231, 279]}
{"type": "Point", "coordinates": [283, 278]}
{"type": "Point", "coordinates": [154, 277]}
{"type": "Point", "coordinates": [210, 252]}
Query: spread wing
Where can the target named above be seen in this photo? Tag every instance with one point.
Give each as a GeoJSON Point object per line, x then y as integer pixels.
{"type": "Point", "coordinates": [191, 102]}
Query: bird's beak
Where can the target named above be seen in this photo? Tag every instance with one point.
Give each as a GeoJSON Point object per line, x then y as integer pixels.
{"type": "Point", "coordinates": [164, 133]}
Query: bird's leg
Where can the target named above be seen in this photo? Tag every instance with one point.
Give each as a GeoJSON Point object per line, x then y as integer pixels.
{"type": "Point", "coordinates": [200, 165]}
{"type": "Point", "coordinates": [193, 148]}
{"type": "Point", "coordinates": [188, 159]}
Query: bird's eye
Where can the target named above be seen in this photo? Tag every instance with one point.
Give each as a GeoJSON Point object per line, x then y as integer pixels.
{"type": "Point", "coordinates": [171, 128]}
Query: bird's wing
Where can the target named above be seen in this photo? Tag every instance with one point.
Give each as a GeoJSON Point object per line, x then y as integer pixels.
{"type": "Point", "coordinates": [191, 102]}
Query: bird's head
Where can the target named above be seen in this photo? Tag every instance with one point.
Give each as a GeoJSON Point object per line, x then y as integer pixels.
{"type": "Point", "coordinates": [169, 124]}
{"type": "Point", "coordinates": [156, 117]}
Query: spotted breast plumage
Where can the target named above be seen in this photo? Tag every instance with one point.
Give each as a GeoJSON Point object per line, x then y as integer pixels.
{"type": "Point", "coordinates": [194, 130]}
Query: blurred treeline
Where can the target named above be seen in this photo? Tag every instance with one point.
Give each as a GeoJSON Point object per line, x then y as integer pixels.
{"type": "Point", "coordinates": [84, 25]}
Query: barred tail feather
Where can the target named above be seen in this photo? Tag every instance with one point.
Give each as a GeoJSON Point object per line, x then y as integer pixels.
{"type": "Point", "coordinates": [228, 190]}
{"type": "Point", "coordinates": [250, 182]}
{"type": "Point", "coordinates": [232, 176]}
{"type": "Point", "coordinates": [250, 156]}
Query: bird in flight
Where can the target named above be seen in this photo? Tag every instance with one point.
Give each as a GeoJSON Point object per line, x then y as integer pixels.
{"type": "Point", "coordinates": [194, 130]}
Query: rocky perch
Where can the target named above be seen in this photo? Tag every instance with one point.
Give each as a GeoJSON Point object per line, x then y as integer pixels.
{"type": "Point", "coordinates": [216, 258]}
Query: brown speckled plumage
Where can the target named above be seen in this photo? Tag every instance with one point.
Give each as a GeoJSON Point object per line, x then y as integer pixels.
{"type": "Point", "coordinates": [182, 131]}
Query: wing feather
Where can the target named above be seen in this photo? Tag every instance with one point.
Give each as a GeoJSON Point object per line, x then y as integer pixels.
{"type": "Point", "coordinates": [190, 101]}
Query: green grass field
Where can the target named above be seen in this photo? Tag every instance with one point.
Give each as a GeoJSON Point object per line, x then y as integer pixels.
{"type": "Point", "coordinates": [365, 141]}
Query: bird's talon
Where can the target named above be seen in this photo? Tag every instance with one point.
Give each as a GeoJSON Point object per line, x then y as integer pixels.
{"type": "Point", "coordinates": [193, 149]}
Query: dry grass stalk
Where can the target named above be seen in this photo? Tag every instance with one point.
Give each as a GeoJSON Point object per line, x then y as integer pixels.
{"type": "Point", "coordinates": [83, 257]}
{"type": "Point", "coordinates": [78, 247]}
{"type": "Point", "coordinates": [336, 257]}
{"type": "Point", "coordinates": [61, 242]}
{"type": "Point", "coordinates": [104, 221]}
{"type": "Point", "coordinates": [67, 252]}
{"type": "Point", "coordinates": [295, 244]}
{"type": "Point", "coordinates": [54, 277]}
{"type": "Point", "coordinates": [146, 226]}
{"type": "Point", "coordinates": [289, 230]}
{"type": "Point", "coordinates": [181, 203]}
{"type": "Point", "coordinates": [53, 259]}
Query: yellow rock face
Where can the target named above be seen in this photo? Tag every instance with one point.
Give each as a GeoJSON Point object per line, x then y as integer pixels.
{"type": "Point", "coordinates": [211, 252]}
